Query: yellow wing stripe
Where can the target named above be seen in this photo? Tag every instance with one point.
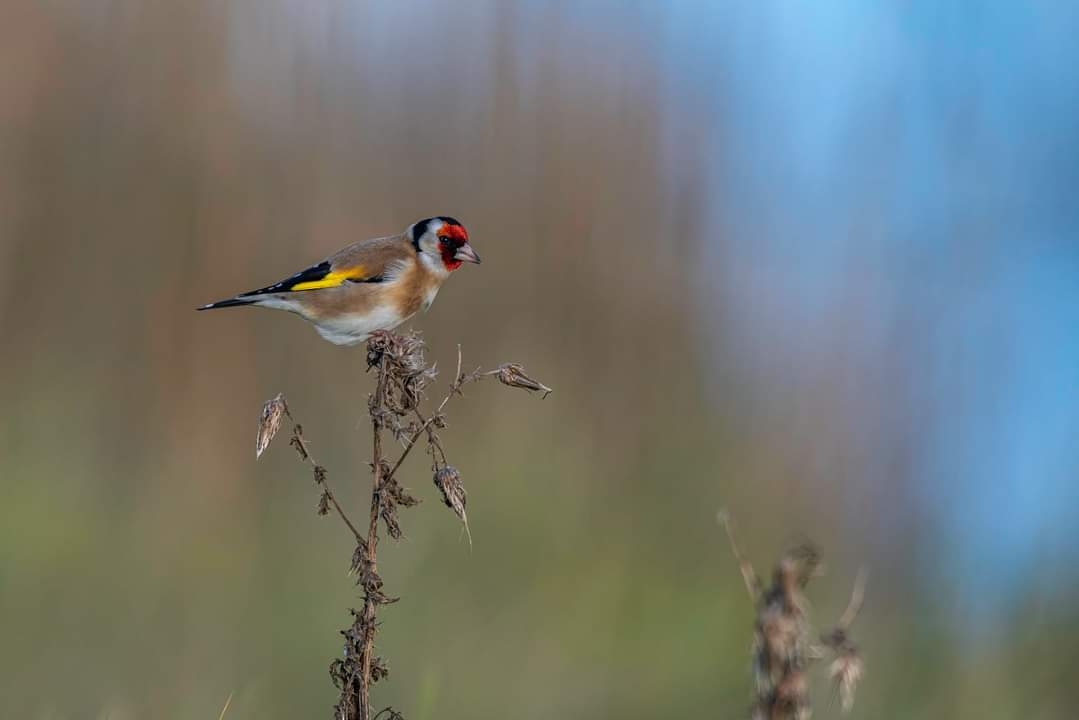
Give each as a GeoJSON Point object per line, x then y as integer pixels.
{"type": "Point", "coordinates": [332, 279]}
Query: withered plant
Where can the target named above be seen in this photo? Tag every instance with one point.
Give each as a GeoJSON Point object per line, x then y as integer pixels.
{"type": "Point", "coordinates": [784, 644]}
{"type": "Point", "coordinates": [402, 379]}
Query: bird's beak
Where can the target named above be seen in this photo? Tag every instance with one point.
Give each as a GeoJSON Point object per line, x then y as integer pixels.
{"type": "Point", "coordinates": [467, 254]}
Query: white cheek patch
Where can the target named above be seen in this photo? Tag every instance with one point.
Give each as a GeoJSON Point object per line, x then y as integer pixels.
{"type": "Point", "coordinates": [434, 265]}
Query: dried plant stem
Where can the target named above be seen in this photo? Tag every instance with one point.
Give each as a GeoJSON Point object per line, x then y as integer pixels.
{"type": "Point", "coordinates": [369, 601]}
{"type": "Point", "coordinates": [402, 379]}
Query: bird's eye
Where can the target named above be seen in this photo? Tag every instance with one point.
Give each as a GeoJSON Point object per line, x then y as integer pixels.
{"type": "Point", "coordinates": [444, 240]}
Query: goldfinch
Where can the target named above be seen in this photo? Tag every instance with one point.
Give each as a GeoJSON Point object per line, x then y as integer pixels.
{"type": "Point", "coordinates": [370, 285]}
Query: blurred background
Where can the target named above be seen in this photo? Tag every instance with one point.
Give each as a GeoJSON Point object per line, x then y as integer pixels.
{"type": "Point", "coordinates": [817, 263]}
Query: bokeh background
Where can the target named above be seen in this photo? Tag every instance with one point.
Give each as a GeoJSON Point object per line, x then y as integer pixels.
{"type": "Point", "coordinates": [817, 263]}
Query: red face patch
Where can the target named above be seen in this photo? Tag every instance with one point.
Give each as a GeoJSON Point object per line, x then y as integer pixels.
{"type": "Point", "coordinates": [454, 232]}
{"type": "Point", "coordinates": [451, 237]}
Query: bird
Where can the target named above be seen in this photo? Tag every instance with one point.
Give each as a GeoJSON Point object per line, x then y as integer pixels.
{"type": "Point", "coordinates": [371, 285]}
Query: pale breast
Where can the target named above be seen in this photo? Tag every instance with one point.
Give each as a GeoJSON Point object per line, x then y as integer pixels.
{"type": "Point", "coordinates": [353, 329]}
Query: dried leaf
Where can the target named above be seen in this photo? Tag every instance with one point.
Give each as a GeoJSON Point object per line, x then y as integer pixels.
{"type": "Point", "coordinates": [269, 423]}
{"type": "Point", "coordinates": [378, 669]}
{"type": "Point", "coordinates": [298, 443]}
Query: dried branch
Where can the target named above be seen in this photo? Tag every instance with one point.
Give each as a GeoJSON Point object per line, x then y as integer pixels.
{"type": "Point", "coordinates": [425, 427]}
{"type": "Point", "coordinates": [269, 424]}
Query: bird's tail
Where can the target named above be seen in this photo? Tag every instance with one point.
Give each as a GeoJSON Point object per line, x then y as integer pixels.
{"type": "Point", "coordinates": [231, 302]}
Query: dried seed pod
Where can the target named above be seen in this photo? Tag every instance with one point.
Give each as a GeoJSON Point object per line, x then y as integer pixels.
{"type": "Point", "coordinates": [513, 375]}
{"type": "Point", "coordinates": [846, 672]}
{"type": "Point", "coordinates": [448, 481]}
{"type": "Point", "coordinates": [269, 423]}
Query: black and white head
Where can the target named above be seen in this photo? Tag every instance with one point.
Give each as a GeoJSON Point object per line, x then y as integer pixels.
{"type": "Point", "coordinates": [442, 244]}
